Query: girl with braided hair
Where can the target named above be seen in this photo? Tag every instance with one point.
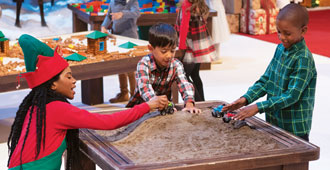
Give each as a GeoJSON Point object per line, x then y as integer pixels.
{"type": "Point", "coordinates": [46, 123]}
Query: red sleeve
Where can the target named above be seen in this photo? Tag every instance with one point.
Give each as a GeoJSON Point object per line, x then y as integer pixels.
{"type": "Point", "coordinates": [66, 116]}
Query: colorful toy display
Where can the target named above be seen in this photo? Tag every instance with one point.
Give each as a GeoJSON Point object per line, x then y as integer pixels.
{"type": "Point", "coordinates": [158, 6]}
{"type": "Point", "coordinates": [100, 8]}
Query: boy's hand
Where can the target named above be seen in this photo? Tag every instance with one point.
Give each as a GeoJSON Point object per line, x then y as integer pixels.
{"type": "Point", "coordinates": [246, 112]}
{"type": "Point", "coordinates": [158, 102]}
{"type": "Point", "coordinates": [117, 15]}
{"type": "Point", "coordinates": [235, 105]}
{"type": "Point", "coordinates": [191, 108]}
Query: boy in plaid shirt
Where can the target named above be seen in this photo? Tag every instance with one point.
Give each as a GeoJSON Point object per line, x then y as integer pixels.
{"type": "Point", "coordinates": [289, 80]}
{"type": "Point", "coordinates": [156, 72]}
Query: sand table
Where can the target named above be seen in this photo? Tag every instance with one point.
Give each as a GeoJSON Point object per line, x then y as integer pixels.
{"type": "Point", "coordinates": [186, 136]}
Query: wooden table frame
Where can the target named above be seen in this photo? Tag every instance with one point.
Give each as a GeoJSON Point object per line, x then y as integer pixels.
{"type": "Point", "coordinates": [91, 75]}
{"type": "Point", "coordinates": [89, 72]}
{"type": "Point", "coordinates": [94, 150]}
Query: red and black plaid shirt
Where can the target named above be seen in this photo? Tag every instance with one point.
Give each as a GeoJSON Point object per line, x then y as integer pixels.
{"type": "Point", "coordinates": [152, 81]}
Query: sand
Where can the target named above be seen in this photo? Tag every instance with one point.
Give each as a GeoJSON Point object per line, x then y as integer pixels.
{"type": "Point", "coordinates": [184, 135]}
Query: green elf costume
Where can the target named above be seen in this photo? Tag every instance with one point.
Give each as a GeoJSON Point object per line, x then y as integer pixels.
{"type": "Point", "coordinates": [42, 64]}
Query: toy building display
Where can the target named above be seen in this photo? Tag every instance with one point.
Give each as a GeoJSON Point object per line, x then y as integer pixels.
{"type": "Point", "coordinates": [76, 48]}
{"type": "Point", "coordinates": [4, 45]}
{"type": "Point", "coordinates": [96, 42]}
{"type": "Point", "coordinates": [75, 57]}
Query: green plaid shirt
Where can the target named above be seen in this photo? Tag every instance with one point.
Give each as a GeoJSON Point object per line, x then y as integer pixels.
{"type": "Point", "coordinates": [289, 82]}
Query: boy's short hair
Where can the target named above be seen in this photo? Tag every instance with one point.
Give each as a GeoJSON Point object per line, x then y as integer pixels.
{"type": "Point", "coordinates": [295, 13]}
{"type": "Point", "coordinates": [162, 35]}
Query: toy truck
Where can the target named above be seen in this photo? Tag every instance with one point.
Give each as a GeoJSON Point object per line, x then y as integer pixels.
{"type": "Point", "coordinates": [218, 113]}
{"type": "Point", "coordinates": [168, 110]}
{"type": "Point", "coordinates": [228, 116]}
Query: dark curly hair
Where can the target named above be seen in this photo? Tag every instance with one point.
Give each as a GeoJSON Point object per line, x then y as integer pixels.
{"type": "Point", "coordinates": [37, 100]}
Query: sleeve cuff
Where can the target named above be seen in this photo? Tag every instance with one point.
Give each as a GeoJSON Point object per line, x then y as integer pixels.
{"type": "Point", "coordinates": [189, 100]}
{"type": "Point", "coordinates": [262, 106]}
{"type": "Point", "coordinates": [248, 98]}
{"type": "Point", "coordinates": [145, 107]}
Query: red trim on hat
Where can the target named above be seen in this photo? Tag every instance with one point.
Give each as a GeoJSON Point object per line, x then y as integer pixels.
{"type": "Point", "coordinates": [47, 68]}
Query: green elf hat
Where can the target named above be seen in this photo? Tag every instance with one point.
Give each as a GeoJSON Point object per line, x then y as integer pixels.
{"type": "Point", "coordinates": [41, 62]}
{"type": "Point", "coordinates": [32, 48]}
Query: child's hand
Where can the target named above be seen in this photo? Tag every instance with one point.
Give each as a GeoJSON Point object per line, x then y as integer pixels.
{"type": "Point", "coordinates": [235, 105]}
{"type": "Point", "coordinates": [117, 15]}
{"type": "Point", "coordinates": [246, 112]}
{"type": "Point", "coordinates": [158, 102]}
{"type": "Point", "coordinates": [104, 30]}
{"type": "Point", "coordinates": [191, 108]}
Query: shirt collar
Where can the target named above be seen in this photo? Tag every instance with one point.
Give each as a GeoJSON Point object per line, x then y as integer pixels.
{"type": "Point", "coordinates": [154, 65]}
{"type": "Point", "coordinates": [299, 45]}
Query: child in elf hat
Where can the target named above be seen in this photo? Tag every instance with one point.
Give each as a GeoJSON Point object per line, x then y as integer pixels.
{"type": "Point", "coordinates": [156, 72]}
{"type": "Point", "coordinates": [46, 123]}
{"type": "Point", "coordinates": [195, 40]}
{"type": "Point", "coordinates": [289, 80]}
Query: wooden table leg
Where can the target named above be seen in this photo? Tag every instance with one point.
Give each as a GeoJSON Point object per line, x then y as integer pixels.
{"type": "Point", "coordinates": [84, 162]}
{"type": "Point", "coordinates": [78, 25]}
{"type": "Point", "coordinates": [96, 26]}
{"type": "Point", "coordinates": [175, 91]}
{"type": "Point", "coordinates": [92, 91]}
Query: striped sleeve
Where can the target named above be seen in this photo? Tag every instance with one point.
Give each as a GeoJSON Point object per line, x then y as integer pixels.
{"type": "Point", "coordinates": [142, 79]}
{"type": "Point", "coordinates": [186, 89]}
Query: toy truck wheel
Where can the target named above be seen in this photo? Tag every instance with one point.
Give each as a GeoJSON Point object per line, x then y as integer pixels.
{"type": "Point", "coordinates": [226, 119]}
{"type": "Point", "coordinates": [215, 114]}
{"type": "Point", "coordinates": [162, 112]}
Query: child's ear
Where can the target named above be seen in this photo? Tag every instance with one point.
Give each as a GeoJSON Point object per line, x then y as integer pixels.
{"type": "Point", "coordinates": [53, 86]}
{"type": "Point", "coordinates": [150, 48]}
{"type": "Point", "coordinates": [303, 30]}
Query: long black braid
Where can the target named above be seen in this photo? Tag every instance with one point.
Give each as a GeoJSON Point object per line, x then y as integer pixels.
{"type": "Point", "coordinates": [36, 101]}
